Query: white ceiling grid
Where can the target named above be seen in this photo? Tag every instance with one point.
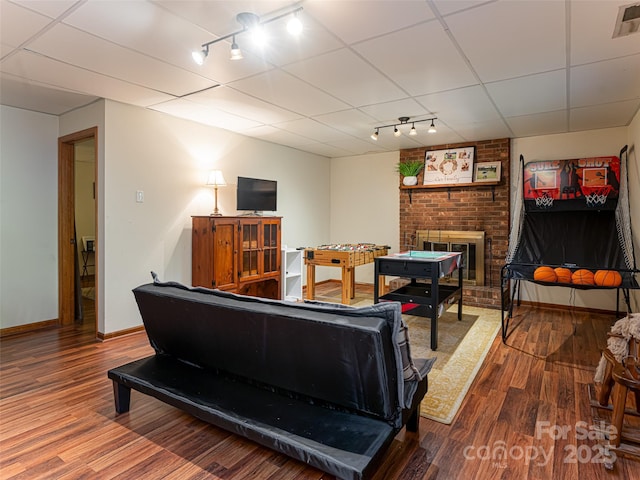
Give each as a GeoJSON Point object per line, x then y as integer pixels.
{"type": "Point", "coordinates": [485, 69]}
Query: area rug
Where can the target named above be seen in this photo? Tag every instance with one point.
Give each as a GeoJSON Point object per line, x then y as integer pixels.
{"type": "Point", "coordinates": [462, 347]}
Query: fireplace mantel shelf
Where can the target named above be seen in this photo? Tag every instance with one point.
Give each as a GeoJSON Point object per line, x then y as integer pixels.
{"type": "Point", "coordinates": [449, 186]}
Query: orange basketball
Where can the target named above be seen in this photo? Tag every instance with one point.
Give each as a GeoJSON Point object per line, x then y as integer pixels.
{"type": "Point", "coordinates": [545, 274]}
{"type": "Point", "coordinates": [582, 277]}
{"type": "Point", "coordinates": [607, 278]}
{"type": "Point", "coordinates": [563, 274]}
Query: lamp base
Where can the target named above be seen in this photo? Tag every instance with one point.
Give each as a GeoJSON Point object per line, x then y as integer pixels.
{"type": "Point", "coordinates": [215, 214]}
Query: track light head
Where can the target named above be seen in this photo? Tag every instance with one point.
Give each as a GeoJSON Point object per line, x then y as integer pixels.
{"type": "Point", "coordinates": [413, 130]}
{"type": "Point", "coordinates": [294, 25]}
{"type": "Point", "coordinates": [374, 135]}
{"type": "Point", "coordinates": [396, 132]}
{"type": "Point", "coordinates": [236, 53]}
{"type": "Point", "coordinates": [432, 127]}
{"type": "Point", "coordinates": [199, 57]}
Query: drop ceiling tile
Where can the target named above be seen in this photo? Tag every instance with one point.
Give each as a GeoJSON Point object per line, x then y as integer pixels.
{"type": "Point", "coordinates": [420, 59]}
{"type": "Point", "coordinates": [143, 27]}
{"type": "Point", "coordinates": [204, 114]}
{"type": "Point", "coordinates": [386, 113]}
{"type": "Point", "coordinates": [52, 9]}
{"type": "Point", "coordinates": [605, 82]}
{"type": "Point", "coordinates": [277, 135]}
{"type": "Point", "coordinates": [18, 24]}
{"type": "Point", "coordinates": [347, 77]}
{"type": "Point", "coordinates": [592, 25]}
{"type": "Point", "coordinates": [447, 7]}
{"type": "Point", "coordinates": [49, 72]}
{"type": "Point", "coordinates": [37, 98]}
{"type": "Point", "coordinates": [618, 114]}
{"type": "Point", "coordinates": [357, 146]}
{"type": "Point", "coordinates": [539, 124]}
{"type": "Point", "coordinates": [352, 122]}
{"type": "Point", "coordinates": [483, 130]}
{"type": "Point", "coordinates": [229, 100]}
{"type": "Point", "coordinates": [512, 38]}
{"type": "Point", "coordinates": [353, 21]}
{"type": "Point", "coordinates": [75, 47]}
{"type": "Point", "coordinates": [463, 105]}
{"type": "Point", "coordinates": [311, 129]}
{"type": "Point", "coordinates": [325, 150]}
{"type": "Point", "coordinates": [544, 92]}
{"type": "Point", "coordinates": [289, 92]}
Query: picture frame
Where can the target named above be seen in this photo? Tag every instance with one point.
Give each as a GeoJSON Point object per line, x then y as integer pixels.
{"type": "Point", "coordinates": [448, 167]}
{"type": "Point", "coordinates": [487, 172]}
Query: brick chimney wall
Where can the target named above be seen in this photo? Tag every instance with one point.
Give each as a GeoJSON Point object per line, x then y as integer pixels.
{"type": "Point", "coordinates": [476, 207]}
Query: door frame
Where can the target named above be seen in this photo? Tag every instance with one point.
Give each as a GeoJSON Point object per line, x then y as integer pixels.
{"type": "Point", "coordinates": [66, 219]}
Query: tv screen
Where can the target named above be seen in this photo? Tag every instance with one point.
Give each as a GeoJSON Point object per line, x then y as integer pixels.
{"type": "Point", "coordinates": [256, 194]}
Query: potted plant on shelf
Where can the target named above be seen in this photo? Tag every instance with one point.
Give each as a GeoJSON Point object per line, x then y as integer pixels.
{"type": "Point", "coordinates": [410, 170]}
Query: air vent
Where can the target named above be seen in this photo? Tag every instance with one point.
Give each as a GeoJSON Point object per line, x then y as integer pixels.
{"type": "Point", "coordinates": [628, 20]}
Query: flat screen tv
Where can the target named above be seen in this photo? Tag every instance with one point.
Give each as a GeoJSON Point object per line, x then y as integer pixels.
{"type": "Point", "coordinates": [257, 195]}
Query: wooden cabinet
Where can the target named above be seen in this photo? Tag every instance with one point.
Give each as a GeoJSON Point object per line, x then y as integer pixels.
{"type": "Point", "coordinates": [237, 254]}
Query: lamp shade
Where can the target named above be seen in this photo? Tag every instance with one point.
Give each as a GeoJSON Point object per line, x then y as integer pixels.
{"type": "Point", "coordinates": [216, 179]}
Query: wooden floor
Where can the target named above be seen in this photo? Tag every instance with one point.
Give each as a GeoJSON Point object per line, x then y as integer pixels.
{"type": "Point", "coordinates": [527, 415]}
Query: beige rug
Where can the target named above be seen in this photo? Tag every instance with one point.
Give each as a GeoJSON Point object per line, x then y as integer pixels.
{"type": "Point", "coordinates": [462, 347]}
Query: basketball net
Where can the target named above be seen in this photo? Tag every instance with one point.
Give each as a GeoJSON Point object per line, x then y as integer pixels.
{"type": "Point", "coordinates": [545, 199]}
{"type": "Point", "coordinates": [597, 197]}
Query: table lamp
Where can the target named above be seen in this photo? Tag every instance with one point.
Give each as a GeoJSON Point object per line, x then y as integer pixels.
{"type": "Point", "coordinates": [216, 180]}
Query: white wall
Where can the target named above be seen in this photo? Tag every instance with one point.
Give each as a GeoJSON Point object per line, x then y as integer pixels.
{"type": "Point", "coordinates": [365, 202]}
{"type": "Point", "coordinates": [556, 147]}
{"type": "Point", "coordinates": [168, 159]}
{"type": "Point", "coordinates": [340, 200]}
{"type": "Point", "coordinates": [28, 217]}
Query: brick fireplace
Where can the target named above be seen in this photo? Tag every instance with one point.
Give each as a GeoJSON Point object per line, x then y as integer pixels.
{"type": "Point", "coordinates": [481, 209]}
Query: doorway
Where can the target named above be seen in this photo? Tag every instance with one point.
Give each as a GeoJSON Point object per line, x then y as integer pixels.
{"type": "Point", "coordinates": [78, 227]}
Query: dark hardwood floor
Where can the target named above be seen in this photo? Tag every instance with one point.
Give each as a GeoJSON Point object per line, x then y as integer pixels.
{"type": "Point", "coordinates": [526, 416]}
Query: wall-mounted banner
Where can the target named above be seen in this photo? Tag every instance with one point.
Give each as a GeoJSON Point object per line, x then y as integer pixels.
{"type": "Point", "coordinates": [576, 184]}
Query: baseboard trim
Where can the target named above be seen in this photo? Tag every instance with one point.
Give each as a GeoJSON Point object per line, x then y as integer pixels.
{"type": "Point", "coordinates": [28, 327]}
{"type": "Point", "coordinates": [119, 333]}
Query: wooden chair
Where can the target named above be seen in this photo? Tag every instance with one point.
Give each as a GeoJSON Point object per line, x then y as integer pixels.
{"type": "Point", "coordinates": [620, 379]}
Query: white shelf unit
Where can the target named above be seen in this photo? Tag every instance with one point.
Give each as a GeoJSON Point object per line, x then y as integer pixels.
{"type": "Point", "coordinates": [292, 262]}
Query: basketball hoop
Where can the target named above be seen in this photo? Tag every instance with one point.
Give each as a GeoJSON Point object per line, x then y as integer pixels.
{"type": "Point", "coordinates": [544, 198]}
{"type": "Point", "coordinates": [597, 196]}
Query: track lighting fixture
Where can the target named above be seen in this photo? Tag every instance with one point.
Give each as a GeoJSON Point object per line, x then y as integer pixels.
{"type": "Point", "coordinates": [403, 121]}
{"type": "Point", "coordinates": [251, 23]}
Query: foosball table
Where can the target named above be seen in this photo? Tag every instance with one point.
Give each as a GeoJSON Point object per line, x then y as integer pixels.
{"type": "Point", "coordinates": [346, 256]}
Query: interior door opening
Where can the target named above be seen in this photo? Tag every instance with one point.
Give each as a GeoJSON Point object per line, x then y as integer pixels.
{"type": "Point", "coordinates": [77, 229]}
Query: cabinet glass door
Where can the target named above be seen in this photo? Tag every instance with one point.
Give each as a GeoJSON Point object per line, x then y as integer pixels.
{"type": "Point", "coordinates": [250, 250]}
{"type": "Point", "coordinates": [271, 249]}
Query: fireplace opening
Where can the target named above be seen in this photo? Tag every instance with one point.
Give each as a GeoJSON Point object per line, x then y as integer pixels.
{"type": "Point", "coordinates": [471, 244]}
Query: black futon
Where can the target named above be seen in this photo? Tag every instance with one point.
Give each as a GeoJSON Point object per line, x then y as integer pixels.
{"type": "Point", "coordinates": [325, 384]}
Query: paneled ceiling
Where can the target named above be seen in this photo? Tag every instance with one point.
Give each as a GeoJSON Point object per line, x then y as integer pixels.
{"type": "Point", "coordinates": [485, 69]}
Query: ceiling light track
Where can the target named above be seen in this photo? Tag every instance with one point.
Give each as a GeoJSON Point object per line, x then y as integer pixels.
{"type": "Point", "coordinates": [405, 121]}
{"type": "Point", "coordinates": [249, 21]}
